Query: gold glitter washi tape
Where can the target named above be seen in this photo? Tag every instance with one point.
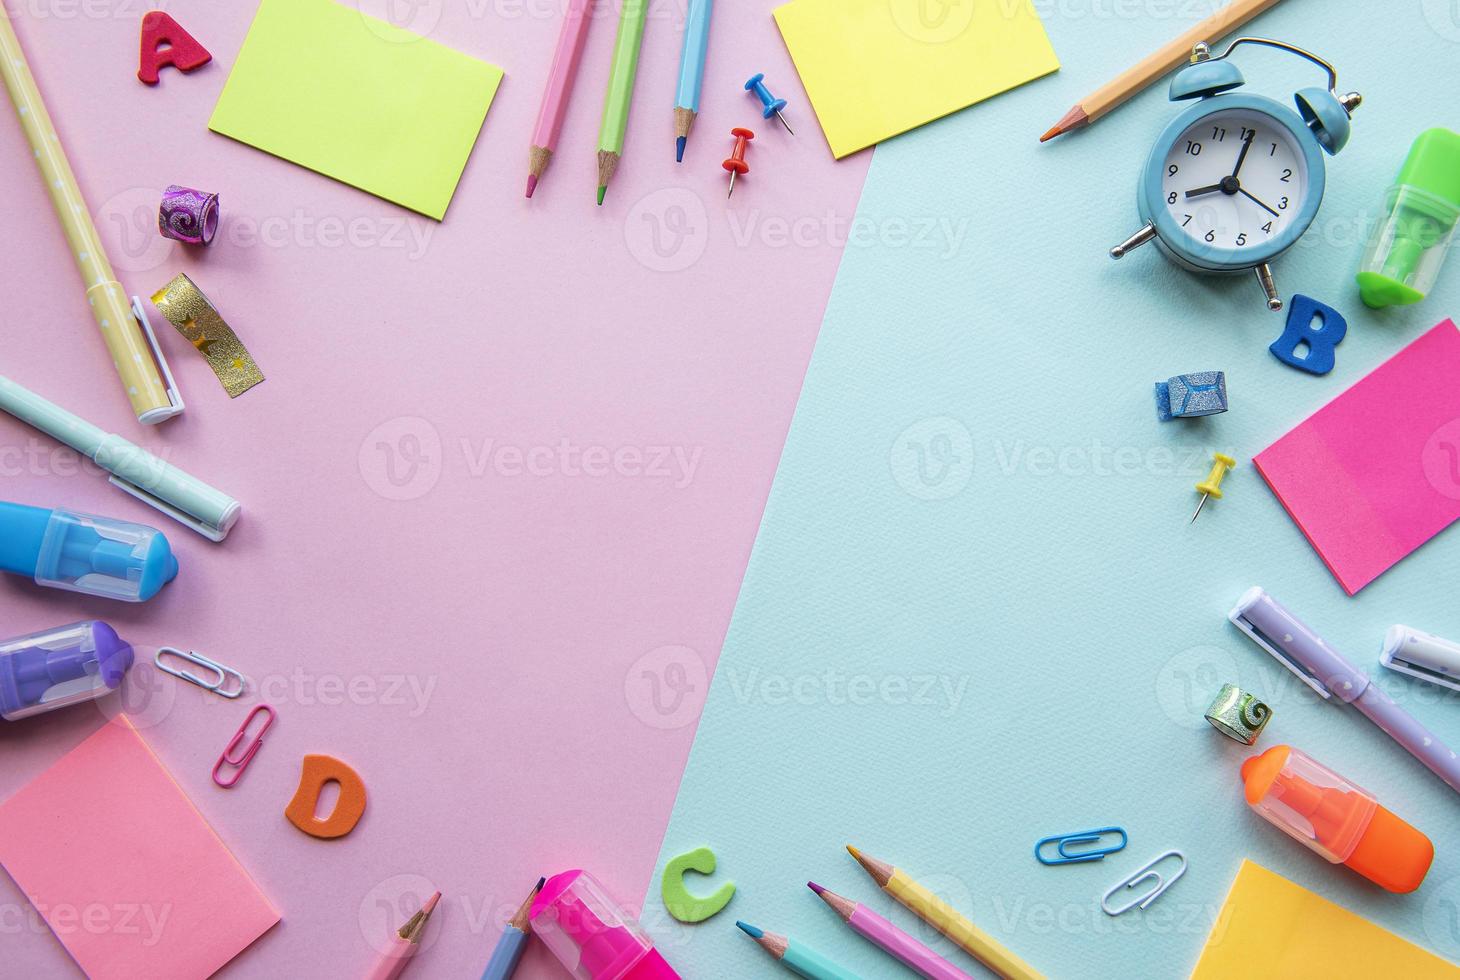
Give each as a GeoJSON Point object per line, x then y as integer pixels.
{"type": "Point", "coordinates": [1238, 715]}
{"type": "Point", "coordinates": [185, 306]}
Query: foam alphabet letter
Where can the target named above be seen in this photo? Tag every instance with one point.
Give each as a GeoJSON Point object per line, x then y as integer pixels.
{"type": "Point", "coordinates": [1312, 325]}
{"type": "Point", "coordinates": [165, 42]}
{"type": "Point", "coordinates": [318, 770]}
{"type": "Point", "coordinates": [677, 899]}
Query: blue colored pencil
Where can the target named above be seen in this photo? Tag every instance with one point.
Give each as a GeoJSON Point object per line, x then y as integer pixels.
{"type": "Point", "coordinates": [691, 72]}
{"type": "Point", "coordinates": [514, 940]}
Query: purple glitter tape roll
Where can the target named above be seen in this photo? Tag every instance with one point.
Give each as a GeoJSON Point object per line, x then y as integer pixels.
{"type": "Point", "coordinates": [187, 215]}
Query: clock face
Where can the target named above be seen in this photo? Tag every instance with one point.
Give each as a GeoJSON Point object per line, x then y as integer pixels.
{"type": "Point", "coordinates": [1234, 179]}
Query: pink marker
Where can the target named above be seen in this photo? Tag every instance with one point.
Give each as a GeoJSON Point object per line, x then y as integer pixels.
{"type": "Point", "coordinates": [873, 927]}
{"type": "Point", "coordinates": [591, 935]}
{"type": "Point", "coordinates": [555, 95]}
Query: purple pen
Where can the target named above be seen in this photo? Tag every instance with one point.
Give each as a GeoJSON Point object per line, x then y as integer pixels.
{"type": "Point", "coordinates": [1303, 652]}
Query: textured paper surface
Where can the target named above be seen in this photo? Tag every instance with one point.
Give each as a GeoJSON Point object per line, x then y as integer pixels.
{"type": "Point", "coordinates": [127, 873]}
{"type": "Point", "coordinates": [976, 492]}
{"type": "Point", "coordinates": [1375, 473]}
{"type": "Point", "coordinates": [1284, 930]}
{"type": "Point", "coordinates": [428, 588]}
{"type": "Point", "coordinates": [329, 87]}
{"type": "Point", "coordinates": [876, 68]}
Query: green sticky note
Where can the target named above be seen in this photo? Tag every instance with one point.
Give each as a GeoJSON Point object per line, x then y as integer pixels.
{"type": "Point", "coordinates": [357, 99]}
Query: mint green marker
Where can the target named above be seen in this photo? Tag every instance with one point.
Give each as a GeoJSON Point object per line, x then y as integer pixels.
{"type": "Point", "coordinates": [153, 481]}
{"type": "Point", "coordinates": [1408, 247]}
{"type": "Point", "coordinates": [796, 957]}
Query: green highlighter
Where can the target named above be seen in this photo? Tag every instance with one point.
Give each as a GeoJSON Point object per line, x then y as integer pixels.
{"type": "Point", "coordinates": [1408, 247]}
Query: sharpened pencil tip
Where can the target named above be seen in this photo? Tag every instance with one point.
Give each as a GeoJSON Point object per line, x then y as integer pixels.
{"type": "Point", "coordinates": [602, 191]}
{"type": "Point", "coordinates": [679, 142]}
{"type": "Point", "coordinates": [1053, 132]}
{"type": "Point", "coordinates": [854, 852]}
{"type": "Point", "coordinates": [531, 184]}
{"type": "Point", "coordinates": [815, 887]}
{"type": "Point", "coordinates": [430, 905]}
{"type": "Point", "coordinates": [754, 932]}
{"type": "Point", "coordinates": [540, 883]}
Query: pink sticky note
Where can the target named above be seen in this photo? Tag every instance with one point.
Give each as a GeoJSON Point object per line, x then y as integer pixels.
{"type": "Point", "coordinates": [1375, 473]}
{"type": "Point", "coordinates": [126, 871]}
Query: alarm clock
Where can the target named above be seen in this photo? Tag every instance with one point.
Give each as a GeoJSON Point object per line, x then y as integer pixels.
{"type": "Point", "coordinates": [1236, 179]}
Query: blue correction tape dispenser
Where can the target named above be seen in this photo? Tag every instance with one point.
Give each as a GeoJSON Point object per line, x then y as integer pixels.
{"type": "Point", "coordinates": [79, 553]}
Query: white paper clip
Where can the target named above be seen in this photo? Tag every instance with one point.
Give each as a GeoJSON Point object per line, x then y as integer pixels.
{"type": "Point", "coordinates": [173, 396]}
{"type": "Point", "coordinates": [217, 687]}
{"type": "Point", "coordinates": [1147, 872]}
{"type": "Point", "coordinates": [1423, 655]}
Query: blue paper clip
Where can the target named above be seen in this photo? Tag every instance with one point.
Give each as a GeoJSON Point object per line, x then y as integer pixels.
{"type": "Point", "coordinates": [1161, 884]}
{"type": "Point", "coordinates": [1066, 841]}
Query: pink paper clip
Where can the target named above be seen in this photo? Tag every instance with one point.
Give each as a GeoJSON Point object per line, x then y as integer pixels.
{"type": "Point", "coordinates": [240, 764]}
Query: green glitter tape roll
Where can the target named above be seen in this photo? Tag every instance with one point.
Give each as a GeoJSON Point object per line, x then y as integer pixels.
{"type": "Point", "coordinates": [1238, 715]}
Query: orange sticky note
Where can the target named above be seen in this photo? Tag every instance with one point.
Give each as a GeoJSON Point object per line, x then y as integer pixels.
{"type": "Point", "coordinates": [1271, 927]}
{"type": "Point", "coordinates": [128, 874]}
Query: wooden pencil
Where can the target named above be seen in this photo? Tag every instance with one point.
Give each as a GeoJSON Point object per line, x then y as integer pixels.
{"type": "Point", "coordinates": [513, 940]}
{"type": "Point", "coordinates": [1152, 67]}
{"type": "Point", "coordinates": [945, 918]}
{"type": "Point", "coordinates": [620, 92]}
{"type": "Point", "coordinates": [797, 957]}
{"type": "Point", "coordinates": [555, 93]}
{"type": "Point", "coordinates": [886, 936]}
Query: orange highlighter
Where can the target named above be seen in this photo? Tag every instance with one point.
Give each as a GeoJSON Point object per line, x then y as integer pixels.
{"type": "Point", "coordinates": [1316, 806]}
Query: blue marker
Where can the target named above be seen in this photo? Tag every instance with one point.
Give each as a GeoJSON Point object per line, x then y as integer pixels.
{"type": "Point", "coordinates": [93, 555]}
{"type": "Point", "coordinates": [770, 105]}
{"type": "Point", "coordinates": [691, 72]}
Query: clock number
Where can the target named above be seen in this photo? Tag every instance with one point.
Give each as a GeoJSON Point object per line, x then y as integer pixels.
{"type": "Point", "coordinates": [1248, 134]}
{"type": "Point", "coordinates": [1273, 151]}
{"type": "Point", "coordinates": [1171, 170]}
{"type": "Point", "coordinates": [1287, 175]}
{"type": "Point", "coordinates": [1171, 199]}
{"type": "Point", "coordinates": [1267, 227]}
{"type": "Point", "coordinates": [1242, 239]}
{"type": "Point", "coordinates": [1211, 236]}
{"type": "Point", "coordinates": [1193, 148]}
{"type": "Point", "coordinates": [1186, 220]}
{"type": "Point", "coordinates": [1218, 133]}
{"type": "Point", "coordinates": [1283, 204]}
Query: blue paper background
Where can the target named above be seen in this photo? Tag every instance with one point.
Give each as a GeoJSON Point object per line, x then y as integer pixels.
{"type": "Point", "coordinates": [1039, 561]}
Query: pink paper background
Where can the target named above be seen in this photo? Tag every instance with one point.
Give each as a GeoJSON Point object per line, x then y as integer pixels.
{"type": "Point", "coordinates": [568, 621]}
{"type": "Point", "coordinates": [1372, 475]}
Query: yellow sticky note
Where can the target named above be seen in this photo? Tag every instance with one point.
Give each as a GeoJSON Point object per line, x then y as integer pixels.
{"type": "Point", "coordinates": [1273, 928]}
{"type": "Point", "coordinates": [357, 99]}
{"type": "Point", "coordinates": [876, 68]}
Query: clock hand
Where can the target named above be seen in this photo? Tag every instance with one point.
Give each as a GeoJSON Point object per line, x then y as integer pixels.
{"type": "Point", "coordinates": [1246, 145]}
{"type": "Point", "coordinates": [1254, 200]}
{"type": "Point", "coordinates": [1198, 192]}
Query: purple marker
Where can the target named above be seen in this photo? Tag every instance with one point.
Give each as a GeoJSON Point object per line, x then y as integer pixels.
{"type": "Point", "coordinates": [1302, 651]}
{"type": "Point", "coordinates": [56, 667]}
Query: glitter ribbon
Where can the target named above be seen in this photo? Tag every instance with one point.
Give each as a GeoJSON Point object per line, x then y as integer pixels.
{"type": "Point", "coordinates": [187, 215]}
{"type": "Point", "coordinates": [1238, 715]}
{"type": "Point", "coordinates": [186, 308]}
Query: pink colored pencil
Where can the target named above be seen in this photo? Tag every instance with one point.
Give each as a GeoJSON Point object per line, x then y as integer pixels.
{"type": "Point", "coordinates": [555, 94]}
{"type": "Point", "coordinates": [880, 932]}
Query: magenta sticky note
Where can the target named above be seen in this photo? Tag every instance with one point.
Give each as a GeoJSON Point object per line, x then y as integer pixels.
{"type": "Point", "coordinates": [127, 873]}
{"type": "Point", "coordinates": [1375, 473]}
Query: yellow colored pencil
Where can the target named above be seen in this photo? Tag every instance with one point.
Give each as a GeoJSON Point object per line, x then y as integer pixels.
{"type": "Point", "coordinates": [945, 918]}
{"type": "Point", "coordinates": [1156, 64]}
{"type": "Point", "coordinates": [129, 350]}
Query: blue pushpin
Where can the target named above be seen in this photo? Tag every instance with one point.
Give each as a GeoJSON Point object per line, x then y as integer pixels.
{"type": "Point", "coordinates": [772, 106]}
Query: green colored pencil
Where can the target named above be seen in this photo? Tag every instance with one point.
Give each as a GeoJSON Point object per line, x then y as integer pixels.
{"type": "Point", "coordinates": [620, 90]}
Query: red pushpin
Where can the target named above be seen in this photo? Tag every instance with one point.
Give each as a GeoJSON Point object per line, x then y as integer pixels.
{"type": "Point", "coordinates": [736, 164]}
